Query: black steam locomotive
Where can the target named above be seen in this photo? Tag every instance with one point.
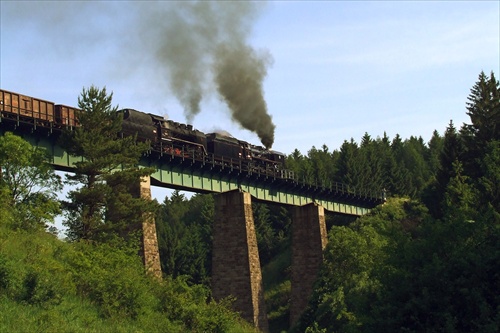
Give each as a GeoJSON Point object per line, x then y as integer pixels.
{"type": "Point", "coordinates": [167, 138]}
{"type": "Point", "coordinates": [181, 140]}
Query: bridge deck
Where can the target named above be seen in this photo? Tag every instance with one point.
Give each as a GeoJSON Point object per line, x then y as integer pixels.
{"type": "Point", "coordinates": [209, 176]}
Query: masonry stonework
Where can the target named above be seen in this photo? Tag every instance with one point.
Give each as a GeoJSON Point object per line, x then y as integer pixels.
{"type": "Point", "coordinates": [236, 267]}
{"type": "Point", "coordinates": [309, 239]}
{"type": "Point", "coordinates": [150, 251]}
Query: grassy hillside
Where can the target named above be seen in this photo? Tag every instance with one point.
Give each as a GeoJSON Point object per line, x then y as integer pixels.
{"type": "Point", "coordinates": [47, 285]}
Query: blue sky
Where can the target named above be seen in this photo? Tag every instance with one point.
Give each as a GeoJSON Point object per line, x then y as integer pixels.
{"type": "Point", "coordinates": [338, 69]}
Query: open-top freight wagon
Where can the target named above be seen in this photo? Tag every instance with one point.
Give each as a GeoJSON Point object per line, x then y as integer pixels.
{"type": "Point", "coordinates": [38, 112]}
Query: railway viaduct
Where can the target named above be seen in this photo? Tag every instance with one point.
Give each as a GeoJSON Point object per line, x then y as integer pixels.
{"type": "Point", "coordinates": [236, 264]}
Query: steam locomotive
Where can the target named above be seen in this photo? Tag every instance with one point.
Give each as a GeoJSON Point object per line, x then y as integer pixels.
{"type": "Point", "coordinates": [167, 138]}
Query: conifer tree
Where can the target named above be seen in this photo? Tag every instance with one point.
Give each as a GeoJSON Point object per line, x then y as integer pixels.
{"type": "Point", "coordinates": [482, 138]}
{"type": "Point", "coordinates": [435, 147]}
{"type": "Point", "coordinates": [413, 159]}
{"type": "Point", "coordinates": [322, 165]}
{"type": "Point", "coordinates": [101, 205]}
{"type": "Point", "coordinates": [483, 108]}
{"type": "Point", "coordinates": [372, 162]}
{"type": "Point", "coordinates": [172, 233]}
{"type": "Point", "coordinates": [389, 165]}
{"type": "Point", "coordinates": [348, 168]}
{"type": "Point", "coordinates": [402, 177]}
{"type": "Point", "coordinates": [450, 154]}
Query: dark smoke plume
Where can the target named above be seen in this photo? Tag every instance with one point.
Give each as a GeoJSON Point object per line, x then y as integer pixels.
{"type": "Point", "coordinates": [200, 44]}
{"type": "Point", "coordinates": [197, 48]}
{"type": "Point", "coordinates": [239, 74]}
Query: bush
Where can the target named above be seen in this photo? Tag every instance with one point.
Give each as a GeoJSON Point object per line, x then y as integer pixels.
{"type": "Point", "coordinates": [39, 288]}
{"type": "Point", "coordinates": [4, 273]}
{"type": "Point", "coordinates": [110, 278]}
{"type": "Point", "coordinates": [52, 286]}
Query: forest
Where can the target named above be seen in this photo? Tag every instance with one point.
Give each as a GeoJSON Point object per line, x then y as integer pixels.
{"type": "Point", "coordinates": [426, 260]}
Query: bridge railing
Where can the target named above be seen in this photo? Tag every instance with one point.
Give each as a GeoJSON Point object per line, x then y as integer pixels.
{"type": "Point", "coordinates": [238, 166]}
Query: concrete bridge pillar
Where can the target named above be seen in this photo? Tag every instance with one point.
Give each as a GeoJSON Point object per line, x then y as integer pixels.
{"type": "Point", "coordinates": [150, 250]}
{"type": "Point", "coordinates": [309, 239]}
{"type": "Point", "coordinates": [236, 267]}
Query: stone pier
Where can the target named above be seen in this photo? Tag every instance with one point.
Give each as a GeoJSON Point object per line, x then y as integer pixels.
{"type": "Point", "coordinates": [150, 252]}
{"type": "Point", "coordinates": [236, 267]}
{"type": "Point", "coordinates": [309, 239]}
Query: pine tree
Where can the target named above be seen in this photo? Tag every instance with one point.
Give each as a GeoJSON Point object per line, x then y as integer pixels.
{"type": "Point", "coordinates": [103, 204]}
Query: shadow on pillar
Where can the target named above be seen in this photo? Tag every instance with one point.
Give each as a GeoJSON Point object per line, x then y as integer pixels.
{"type": "Point", "coordinates": [309, 238]}
{"type": "Point", "coordinates": [236, 267]}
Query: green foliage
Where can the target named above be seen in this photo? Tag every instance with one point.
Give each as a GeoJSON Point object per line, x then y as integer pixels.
{"type": "Point", "coordinates": [28, 183]}
{"type": "Point", "coordinates": [401, 168]}
{"type": "Point", "coordinates": [355, 257]}
{"type": "Point", "coordinates": [4, 274]}
{"type": "Point", "coordinates": [272, 228]}
{"type": "Point", "coordinates": [403, 268]}
{"type": "Point", "coordinates": [483, 108]}
{"type": "Point", "coordinates": [400, 269]}
{"type": "Point", "coordinates": [451, 153]}
{"type": "Point", "coordinates": [6, 209]}
{"type": "Point", "coordinates": [47, 285]}
{"type": "Point", "coordinates": [184, 229]}
{"type": "Point", "coordinates": [213, 318]}
{"type": "Point", "coordinates": [277, 302]}
{"type": "Point", "coordinates": [108, 199]}
{"type": "Point", "coordinates": [489, 183]}
{"type": "Point", "coordinates": [39, 288]}
{"type": "Point", "coordinates": [108, 277]}
{"type": "Point", "coordinates": [277, 289]}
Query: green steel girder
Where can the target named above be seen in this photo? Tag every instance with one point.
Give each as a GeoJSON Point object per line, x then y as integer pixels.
{"type": "Point", "coordinates": [185, 174]}
{"type": "Point", "coordinates": [206, 180]}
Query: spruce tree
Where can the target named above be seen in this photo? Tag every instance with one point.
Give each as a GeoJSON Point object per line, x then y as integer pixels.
{"type": "Point", "coordinates": [101, 206]}
{"type": "Point", "coordinates": [483, 108]}
{"type": "Point", "coordinates": [402, 177]}
{"type": "Point", "coordinates": [482, 138]}
{"type": "Point", "coordinates": [348, 169]}
{"type": "Point", "coordinates": [389, 165]}
{"type": "Point", "coordinates": [323, 166]}
{"type": "Point", "coordinates": [450, 153]}
{"type": "Point", "coordinates": [372, 160]}
{"type": "Point", "coordinates": [435, 147]}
